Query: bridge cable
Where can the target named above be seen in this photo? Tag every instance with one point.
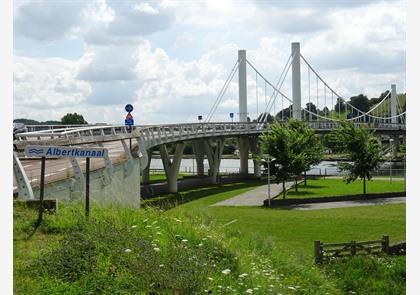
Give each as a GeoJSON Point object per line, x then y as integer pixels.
{"type": "Point", "coordinates": [346, 103]}
{"type": "Point", "coordinates": [222, 91]}
{"type": "Point", "coordinates": [276, 90]}
{"type": "Point", "coordinates": [279, 85]}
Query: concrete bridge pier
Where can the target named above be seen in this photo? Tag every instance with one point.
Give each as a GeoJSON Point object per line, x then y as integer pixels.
{"type": "Point", "coordinates": [198, 149]}
{"type": "Point", "coordinates": [395, 142]}
{"type": "Point", "coordinates": [256, 151]}
{"type": "Point", "coordinates": [145, 174]}
{"type": "Point", "coordinates": [172, 167]}
{"type": "Point", "coordinates": [214, 156]}
{"type": "Point", "coordinates": [243, 143]}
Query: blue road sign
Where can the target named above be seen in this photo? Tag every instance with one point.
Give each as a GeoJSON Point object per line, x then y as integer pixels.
{"type": "Point", "coordinates": [129, 119]}
{"type": "Point", "coordinates": [231, 115]}
{"type": "Point", "coordinates": [129, 108]}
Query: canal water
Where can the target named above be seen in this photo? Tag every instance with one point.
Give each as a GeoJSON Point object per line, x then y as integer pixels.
{"type": "Point", "coordinates": [232, 166]}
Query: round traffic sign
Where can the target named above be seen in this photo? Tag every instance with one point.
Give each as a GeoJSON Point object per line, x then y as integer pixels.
{"type": "Point", "coordinates": [129, 107]}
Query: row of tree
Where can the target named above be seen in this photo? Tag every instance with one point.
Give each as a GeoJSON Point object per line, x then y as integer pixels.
{"type": "Point", "coordinates": [294, 147]}
{"type": "Point", "coordinates": [67, 119]}
{"type": "Point", "coordinates": [361, 102]}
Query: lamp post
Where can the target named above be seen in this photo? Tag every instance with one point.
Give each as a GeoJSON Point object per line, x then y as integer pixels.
{"type": "Point", "coordinates": [269, 180]}
{"type": "Point", "coordinates": [391, 140]}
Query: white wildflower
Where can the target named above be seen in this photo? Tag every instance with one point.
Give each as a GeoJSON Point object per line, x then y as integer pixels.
{"type": "Point", "coordinates": [243, 275]}
{"type": "Point", "coordinates": [210, 279]}
{"type": "Point", "coordinates": [249, 291]}
{"type": "Point", "coordinates": [200, 245]}
{"type": "Point", "coordinates": [133, 226]}
{"type": "Point", "coordinates": [292, 288]}
{"type": "Point", "coordinates": [127, 250]}
{"type": "Point", "coordinates": [226, 271]}
{"type": "Point", "coordinates": [156, 249]}
{"type": "Point", "coordinates": [184, 240]}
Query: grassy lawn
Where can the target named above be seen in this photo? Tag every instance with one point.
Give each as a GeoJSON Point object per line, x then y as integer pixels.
{"type": "Point", "coordinates": [226, 248]}
{"type": "Point", "coordinates": [298, 229]}
{"type": "Point", "coordinates": [338, 187]}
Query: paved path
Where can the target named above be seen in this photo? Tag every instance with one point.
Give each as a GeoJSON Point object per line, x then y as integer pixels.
{"type": "Point", "coordinates": [256, 196]}
{"type": "Point", "coordinates": [343, 204]}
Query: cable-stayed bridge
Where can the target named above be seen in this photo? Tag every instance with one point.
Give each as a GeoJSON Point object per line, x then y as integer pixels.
{"type": "Point", "coordinates": [323, 110]}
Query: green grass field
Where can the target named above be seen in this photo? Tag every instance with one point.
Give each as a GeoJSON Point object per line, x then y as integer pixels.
{"type": "Point", "coordinates": [159, 177]}
{"type": "Point", "coordinates": [233, 249]}
{"type": "Point", "coordinates": [338, 187]}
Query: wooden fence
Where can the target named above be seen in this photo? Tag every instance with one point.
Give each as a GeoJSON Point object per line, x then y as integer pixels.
{"type": "Point", "coordinates": [326, 251]}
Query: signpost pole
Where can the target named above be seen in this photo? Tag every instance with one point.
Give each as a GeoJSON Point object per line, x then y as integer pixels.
{"type": "Point", "coordinates": [41, 193]}
{"type": "Point", "coordinates": [87, 187]}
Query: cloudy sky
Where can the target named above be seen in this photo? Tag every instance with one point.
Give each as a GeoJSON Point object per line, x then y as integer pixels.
{"type": "Point", "coordinates": [171, 58]}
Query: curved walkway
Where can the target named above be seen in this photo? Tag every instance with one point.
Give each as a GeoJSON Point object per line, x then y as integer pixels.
{"type": "Point", "coordinates": [344, 204]}
{"type": "Point", "coordinates": [256, 196]}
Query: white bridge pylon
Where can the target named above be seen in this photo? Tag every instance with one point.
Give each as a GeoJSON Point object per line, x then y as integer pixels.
{"type": "Point", "coordinates": [323, 103]}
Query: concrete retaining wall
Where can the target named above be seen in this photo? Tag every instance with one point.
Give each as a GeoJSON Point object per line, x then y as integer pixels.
{"type": "Point", "coordinates": [122, 188]}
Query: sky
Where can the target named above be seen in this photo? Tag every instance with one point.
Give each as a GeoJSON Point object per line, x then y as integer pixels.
{"type": "Point", "coordinates": [170, 59]}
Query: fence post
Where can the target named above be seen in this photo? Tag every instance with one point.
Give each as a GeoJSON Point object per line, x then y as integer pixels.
{"type": "Point", "coordinates": [317, 251]}
{"type": "Point", "coordinates": [353, 248]}
{"type": "Point", "coordinates": [385, 244]}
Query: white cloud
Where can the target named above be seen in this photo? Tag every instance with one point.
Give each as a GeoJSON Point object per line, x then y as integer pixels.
{"type": "Point", "coordinates": [130, 22]}
{"type": "Point", "coordinates": [47, 20]}
{"type": "Point", "coordinates": [46, 83]}
{"type": "Point", "coordinates": [130, 54]}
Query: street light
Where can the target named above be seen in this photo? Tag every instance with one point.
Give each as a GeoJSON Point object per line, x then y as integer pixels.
{"type": "Point", "coordinates": [268, 179]}
{"type": "Point", "coordinates": [391, 140]}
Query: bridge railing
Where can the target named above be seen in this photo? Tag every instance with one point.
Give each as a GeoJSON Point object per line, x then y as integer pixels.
{"type": "Point", "coordinates": [157, 134]}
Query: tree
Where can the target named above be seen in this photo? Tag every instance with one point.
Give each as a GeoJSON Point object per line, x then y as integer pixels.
{"type": "Point", "coordinates": [284, 114]}
{"type": "Point", "coordinates": [268, 117]}
{"type": "Point", "coordinates": [361, 102]}
{"type": "Point", "coordinates": [293, 147]}
{"type": "Point", "coordinates": [373, 101]}
{"type": "Point", "coordinates": [310, 107]}
{"type": "Point", "coordinates": [340, 106]}
{"type": "Point", "coordinates": [74, 118]}
{"type": "Point", "coordinates": [307, 147]}
{"type": "Point", "coordinates": [363, 149]}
